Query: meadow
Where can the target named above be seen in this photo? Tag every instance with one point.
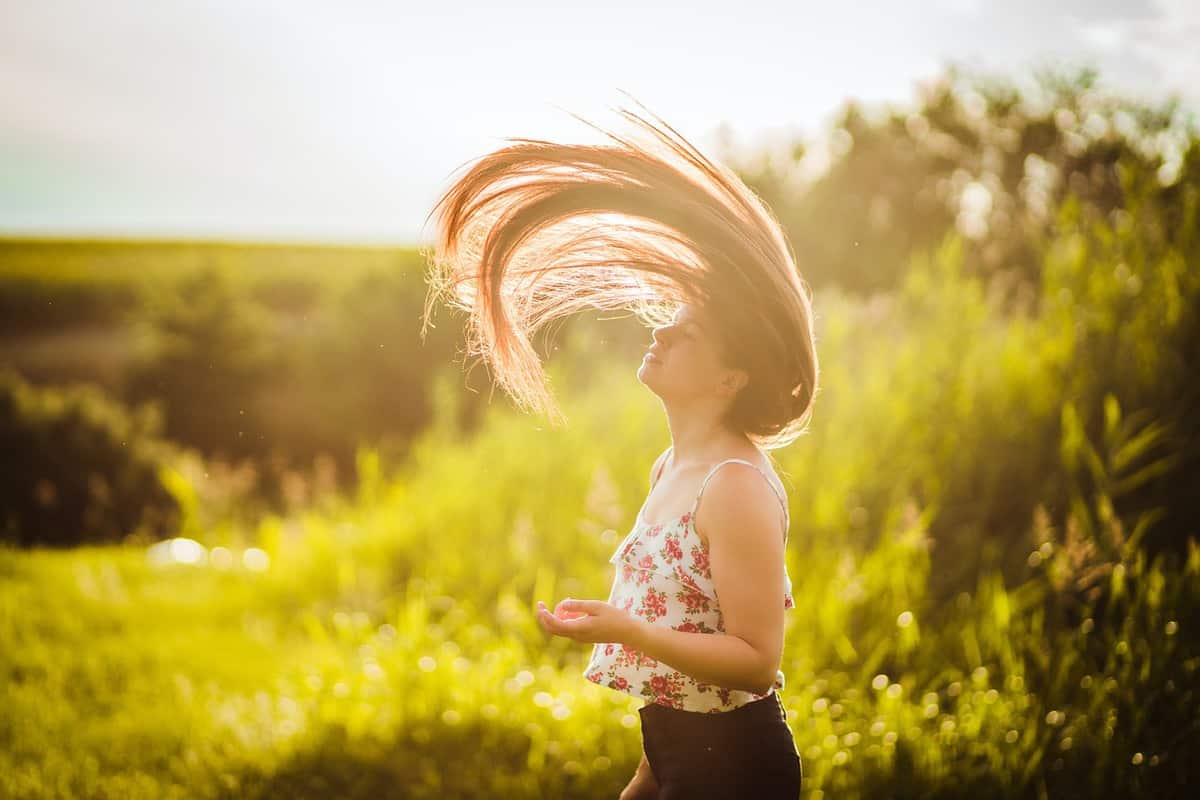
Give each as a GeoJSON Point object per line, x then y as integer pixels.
{"type": "Point", "coordinates": [994, 547]}
{"type": "Point", "coordinates": [383, 643]}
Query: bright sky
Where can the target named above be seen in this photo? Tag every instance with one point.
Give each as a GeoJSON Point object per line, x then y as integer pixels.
{"type": "Point", "coordinates": [340, 122]}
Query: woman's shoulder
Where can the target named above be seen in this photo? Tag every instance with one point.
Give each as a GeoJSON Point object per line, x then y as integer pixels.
{"type": "Point", "coordinates": [732, 490]}
{"type": "Point", "coordinates": [761, 463]}
{"type": "Point", "coordinates": [727, 485]}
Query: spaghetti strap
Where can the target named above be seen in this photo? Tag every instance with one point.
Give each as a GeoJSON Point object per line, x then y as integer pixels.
{"type": "Point", "coordinates": [778, 496]}
{"type": "Point", "coordinates": [662, 465]}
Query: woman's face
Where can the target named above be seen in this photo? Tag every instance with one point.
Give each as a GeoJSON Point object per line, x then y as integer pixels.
{"type": "Point", "coordinates": [684, 360]}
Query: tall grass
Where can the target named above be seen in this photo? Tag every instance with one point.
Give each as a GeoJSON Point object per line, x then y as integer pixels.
{"type": "Point", "coordinates": [977, 613]}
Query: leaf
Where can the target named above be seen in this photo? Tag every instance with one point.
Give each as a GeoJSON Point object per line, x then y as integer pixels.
{"type": "Point", "coordinates": [1112, 415]}
{"type": "Point", "coordinates": [1126, 452]}
{"type": "Point", "coordinates": [1152, 470]}
{"type": "Point", "coordinates": [1145, 520]}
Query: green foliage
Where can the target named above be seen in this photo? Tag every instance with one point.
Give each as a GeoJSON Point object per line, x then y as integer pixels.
{"type": "Point", "coordinates": [1122, 296]}
{"type": "Point", "coordinates": [958, 378]}
{"type": "Point", "coordinates": [983, 156]}
{"type": "Point", "coordinates": [993, 549]}
{"type": "Point", "coordinates": [363, 368]}
{"type": "Point", "coordinates": [258, 267]}
{"type": "Point", "coordinates": [32, 305]}
{"type": "Point", "coordinates": [78, 467]}
{"type": "Point", "coordinates": [390, 645]}
{"type": "Point", "coordinates": [267, 357]}
{"type": "Point", "coordinates": [210, 350]}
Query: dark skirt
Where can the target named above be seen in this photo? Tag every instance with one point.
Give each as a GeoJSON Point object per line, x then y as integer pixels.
{"type": "Point", "coordinates": [746, 752]}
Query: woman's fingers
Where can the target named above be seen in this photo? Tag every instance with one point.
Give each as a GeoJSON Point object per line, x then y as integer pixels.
{"type": "Point", "coordinates": [548, 621]}
{"type": "Point", "coordinates": [556, 624]}
{"type": "Point", "coordinates": [566, 610]}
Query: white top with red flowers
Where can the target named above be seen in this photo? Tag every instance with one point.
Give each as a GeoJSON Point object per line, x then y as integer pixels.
{"type": "Point", "coordinates": [663, 577]}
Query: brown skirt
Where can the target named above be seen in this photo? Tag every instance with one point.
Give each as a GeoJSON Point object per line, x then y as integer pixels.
{"type": "Point", "coordinates": [746, 752]}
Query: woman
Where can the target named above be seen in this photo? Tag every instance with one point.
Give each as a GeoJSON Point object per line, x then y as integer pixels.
{"type": "Point", "coordinates": [694, 623]}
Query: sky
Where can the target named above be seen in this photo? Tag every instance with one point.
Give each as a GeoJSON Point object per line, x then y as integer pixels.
{"type": "Point", "coordinates": [342, 122]}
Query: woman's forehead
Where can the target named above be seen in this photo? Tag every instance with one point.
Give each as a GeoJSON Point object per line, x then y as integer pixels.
{"type": "Point", "coordinates": [689, 313]}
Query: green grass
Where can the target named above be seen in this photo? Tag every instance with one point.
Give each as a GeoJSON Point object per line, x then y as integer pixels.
{"type": "Point", "coordinates": [101, 262]}
{"type": "Point", "coordinates": [391, 644]}
{"type": "Point", "coordinates": [974, 617]}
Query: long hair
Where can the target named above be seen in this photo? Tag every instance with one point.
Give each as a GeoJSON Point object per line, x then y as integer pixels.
{"type": "Point", "coordinates": [537, 230]}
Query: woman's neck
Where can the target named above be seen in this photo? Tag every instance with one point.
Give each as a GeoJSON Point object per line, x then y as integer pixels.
{"type": "Point", "coordinates": [704, 443]}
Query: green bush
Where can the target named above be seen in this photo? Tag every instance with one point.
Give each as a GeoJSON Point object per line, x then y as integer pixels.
{"type": "Point", "coordinates": [210, 350]}
{"type": "Point", "coordinates": [77, 467]}
{"type": "Point", "coordinates": [283, 374]}
{"type": "Point", "coordinates": [989, 156]}
{"type": "Point", "coordinates": [29, 305]}
{"type": "Point", "coordinates": [974, 396]}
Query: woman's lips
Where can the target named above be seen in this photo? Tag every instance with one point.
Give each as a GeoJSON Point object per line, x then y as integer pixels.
{"type": "Point", "coordinates": [651, 358]}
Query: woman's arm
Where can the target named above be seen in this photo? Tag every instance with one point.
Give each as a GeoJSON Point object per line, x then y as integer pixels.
{"type": "Point", "coordinates": [745, 544]}
{"type": "Point", "coordinates": [643, 785]}
{"type": "Point", "coordinates": [746, 557]}
{"type": "Point", "coordinates": [719, 658]}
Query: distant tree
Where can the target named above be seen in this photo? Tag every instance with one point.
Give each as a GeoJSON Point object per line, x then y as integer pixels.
{"type": "Point", "coordinates": [979, 155]}
{"type": "Point", "coordinates": [210, 350]}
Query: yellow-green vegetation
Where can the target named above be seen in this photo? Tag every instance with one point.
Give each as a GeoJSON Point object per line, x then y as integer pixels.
{"type": "Point", "coordinates": [276, 354]}
{"type": "Point", "coordinates": [979, 612]}
{"type": "Point", "coordinates": [138, 262]}
{"type": "Point", "coordinates": [54, 286]}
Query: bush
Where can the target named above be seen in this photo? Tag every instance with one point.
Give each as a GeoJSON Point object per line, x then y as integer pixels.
{"type": "Point", "coordinates": [30, 306]}
{"type": "Point", "coordinates": [211, 352]}
{"type": "Point", "coordinates": [78, 467]}
{"type": "Point", "coordinates": [987, 156]}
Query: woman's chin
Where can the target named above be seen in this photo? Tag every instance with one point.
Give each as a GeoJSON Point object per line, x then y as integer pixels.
{"type": "Point", "coordinates": [647, 373]}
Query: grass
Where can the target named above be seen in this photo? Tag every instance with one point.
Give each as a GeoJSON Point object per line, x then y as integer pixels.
{"type": "Point", "coordinates": [972, 618]}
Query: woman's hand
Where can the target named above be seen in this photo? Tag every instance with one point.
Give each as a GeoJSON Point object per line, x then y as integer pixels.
{"type": "Point", "coordinates": [587, 621]}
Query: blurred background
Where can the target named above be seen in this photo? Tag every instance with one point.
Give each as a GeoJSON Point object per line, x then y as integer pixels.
{"type": "Point", "coordinates": [258, 538]}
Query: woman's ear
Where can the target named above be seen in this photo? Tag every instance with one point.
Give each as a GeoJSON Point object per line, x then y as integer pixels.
{"type": "Point", "coordinates": [735, 380]}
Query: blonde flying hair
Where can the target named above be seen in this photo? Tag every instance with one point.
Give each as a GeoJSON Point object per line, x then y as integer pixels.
{"type": "Point", "coordinates": [537, 230]}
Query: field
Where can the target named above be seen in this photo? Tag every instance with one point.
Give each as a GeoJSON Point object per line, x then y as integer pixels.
{"type": "Point", "coordinates": [994, 547]}
{"type": "Point", "coordinates": [383, 644]}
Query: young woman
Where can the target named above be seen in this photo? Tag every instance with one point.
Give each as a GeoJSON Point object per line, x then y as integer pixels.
{"type": "Point", "coordinates": [694, 623]}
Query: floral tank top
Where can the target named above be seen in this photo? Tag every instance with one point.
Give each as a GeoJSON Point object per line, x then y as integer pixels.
{"type": "Point", "coordinates": [662, 576]}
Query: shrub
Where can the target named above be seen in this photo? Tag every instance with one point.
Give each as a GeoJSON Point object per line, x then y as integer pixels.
{"type": "Point", "coordinates": [211, 352]}
{"type": "Point", "coordinates": [78, 467]}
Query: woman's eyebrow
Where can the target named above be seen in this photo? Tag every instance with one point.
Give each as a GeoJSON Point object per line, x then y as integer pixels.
{"type": "Point", "coordinates": [676, 320]}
